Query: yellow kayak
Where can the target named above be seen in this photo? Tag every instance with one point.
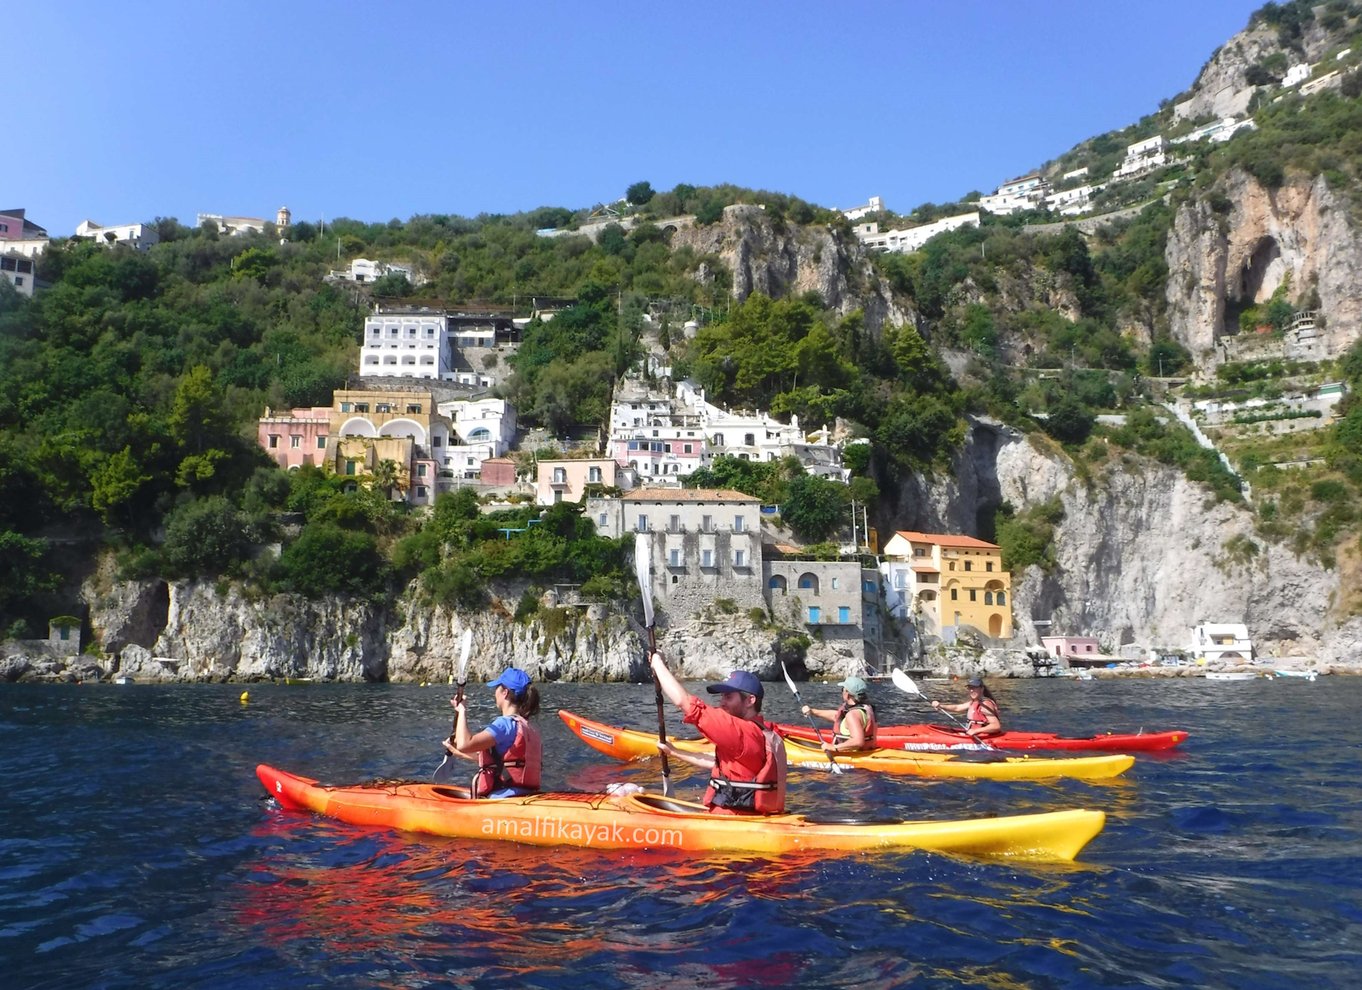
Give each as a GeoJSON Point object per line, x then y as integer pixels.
{"type": "Point", "coordinates": [628, 744]}
{"type": "Point", "coordinates": [651, 821]}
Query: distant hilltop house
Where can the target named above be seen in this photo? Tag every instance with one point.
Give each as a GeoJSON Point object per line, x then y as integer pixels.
{"type": "Point", "coordinates": [875, 205]}
{"type": "Point", "coordinates": [239, 226]}
{"type": "Point", "coordinates": [468, 348]}
{"type": "Point", "coordinates": [20, 236]}
{"type": "Point", "coordinates": [364, 271]}
{"type": "Point", "coordinates": [137, 236]}
{"type": "Point", "coordinates": [435, 446]}
{"type": "Point", "coordinates": [948, 582]}
{"type": "Point", "coordinates": [909, 239]}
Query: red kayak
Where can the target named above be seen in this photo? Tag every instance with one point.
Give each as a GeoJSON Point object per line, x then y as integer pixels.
{"type": "Point", "coordinates": [941, 737]}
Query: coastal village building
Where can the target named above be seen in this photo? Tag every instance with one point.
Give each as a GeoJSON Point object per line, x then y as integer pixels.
{"type": "Point", "coordinates": [874, 205]}
{"type": "Point", "coordinates": [363, 271]}
{"type": "Point", "coordinates": [482, 429]}
{"type": "Point", "coordinates": [20, 237]}
{"type": "Point", "coordinates": [18, 271]}
{"type": "Point", "coordinates": [707, 548]}
{"type": "Point", "coordinates": [1143, 156]}
{"type": "Point", "coordinates": [1219, 641]}
{"type": "Point", "coordinates": [433, 344]}
{"type": "Point", "coordinates": [909, 239]}
{"type": "Point", "coordinates": [137, 236]}
{"type": "Point", "coordinates": [946, 581]}
{"type": "Point", "coordinates": [568, 479]}
{"type": "Point", "coordinates": [649, 434]}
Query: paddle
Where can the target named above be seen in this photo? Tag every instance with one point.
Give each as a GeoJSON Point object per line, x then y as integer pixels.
{"type": "Point", "coordinates": [445, 771]}
{"type": "Point", "coordinates": [906, 684]}
{"type": "Point", "coordinates": [812, 724]}
{"type": "Point", "coordinates": [643, 568]}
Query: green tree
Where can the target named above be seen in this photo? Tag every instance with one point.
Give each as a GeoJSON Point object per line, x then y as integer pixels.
{"type": "Point", "coordinates": [114, 483]}
{"type": "Point", "coordinates": [639, 193]}
{"type": "Point", "coordinates": [326, 558]}
{"type": "Point", "coordinates": [206, 536]}
{"type": "Point", "coordinates": [815, 507]}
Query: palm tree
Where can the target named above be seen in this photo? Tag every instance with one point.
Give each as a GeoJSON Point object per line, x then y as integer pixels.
{"type": "Point", "coordinates": [387, 476]}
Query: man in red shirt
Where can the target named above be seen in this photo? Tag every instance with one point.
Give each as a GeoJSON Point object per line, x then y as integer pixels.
{"type": "Point", "coordinates": [748, 766]}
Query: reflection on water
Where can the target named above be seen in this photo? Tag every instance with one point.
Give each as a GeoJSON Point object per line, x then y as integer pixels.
{"type": "Point", "coordinates": [136, 851]}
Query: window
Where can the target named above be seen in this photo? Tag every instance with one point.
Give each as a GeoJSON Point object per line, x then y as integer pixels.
{"type": "Point", "coordinates": [808, 582]}
{"type": "Point", "coordinates": [777, 583]}
{"type": "Point", "coordinates": [601, 520]}
{"type": "Point", "coordinates": [437, 441]}
{"type": "Point", "coordinates": [295, 442]}
{"type": "Point", "coordinates": [950, 565]}
{"type": "Point", "coordinates": [19, 281]}
{"type": "Point", "coordinates": [420, 470]}
{"type": "Point", "coordinates": [739, 558]}
{"type": "Point", "coordinates": [593, 474]}
{"type": "Point", "coordinates": [868, 587]}
{"type": "Point", "coordinates": [559, 476]}
{"type": "Point", "coordinates": [815, 613]}
{"type": "Point", "coordinates": [834, 583]}
{"type": "Point", "coordinates": [919, 551]}
{"type": "Point", "coordinates": [420, 491]}
{"type": "Point", "coordinates": [973, 595]}
{"type": "Point", "coordinates": [706, 524]}
{"type": "Point", "coordinates": [706, 558]}
{"type": "Point", "coordinates": [345, 407]}
{"type": "Point", "coordinates": [955, 594]}
{"type": "Point", "coordinates": [687, 447]}
{"type": "Point", "coordinates": [642, 526]}
{"type": "Point", "coordinates": [988, 565]}
{"type": "Point", "coordinates": [1002, 598]}
{"type": "Point", "coordinates": [969, 565]}
{"type": "Point", "coordinates": [321, 443]}
{"type": "Point", "coordinates": [674, 558]}
{"type": "Point", "coordinates": [674, 524]}
{"type": "Point", "coordinates": [843, 614]}
{"type": "Point", "coordinates": [988, 598]}
{"type": "Point", "coordinates": [737, 524]}
{"type": "Point", "coordinates": [750, 439]}
{"type": "Point", "coordinates": [371, 359]}
{"type": "Point", "coordinates": [274, 441]}
{"type": "Point", "coordinates": [349, 467]}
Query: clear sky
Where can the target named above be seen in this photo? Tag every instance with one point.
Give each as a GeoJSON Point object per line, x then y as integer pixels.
{"type": "Point", "coordinates": [121, 112]}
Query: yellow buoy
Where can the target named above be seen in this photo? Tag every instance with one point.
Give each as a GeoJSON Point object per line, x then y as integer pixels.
{"type": "Point", "coordinates": [245, 697]}
{"type": "Point", "coordinates": [423, 683]}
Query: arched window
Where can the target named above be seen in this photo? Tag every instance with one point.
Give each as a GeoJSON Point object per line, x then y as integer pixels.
{"type": "Point", "coordinates": [808, 581]}
{"type": "Point", "coordinates": [988, 598]}
{"type": "Point", "coordinates": [1002, 598]}
{"type": "Point", "coordinates": [778, 583]}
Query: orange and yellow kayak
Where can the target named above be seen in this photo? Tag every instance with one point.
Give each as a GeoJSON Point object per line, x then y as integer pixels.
{"type": "Point", "coordinates": [651, 821]}
{"type": "Point", "coordinates": [628, 744]}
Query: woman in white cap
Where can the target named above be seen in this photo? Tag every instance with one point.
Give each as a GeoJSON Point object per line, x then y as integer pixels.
{"type": "Point", "coordinates": [508, 751]}
{"type": "Point", "coordinates": [981, 711]}
{"type": "Point", "coordinates": [853, 724]}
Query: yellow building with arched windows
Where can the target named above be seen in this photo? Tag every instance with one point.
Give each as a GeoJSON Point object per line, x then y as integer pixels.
{"type": "Point", "coordinates": [948, 581]}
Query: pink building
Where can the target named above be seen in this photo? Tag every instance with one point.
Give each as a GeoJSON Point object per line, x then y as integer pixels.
{"type": "Point", "coordinates": [498, 471]}
{"type": "Point", "coordinates": [297, 438]}
{"type": "Point", "coordinates": [1071, 646]}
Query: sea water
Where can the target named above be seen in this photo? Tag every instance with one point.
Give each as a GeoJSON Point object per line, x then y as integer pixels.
{"type": "Point", "coordinates": [137, 849]}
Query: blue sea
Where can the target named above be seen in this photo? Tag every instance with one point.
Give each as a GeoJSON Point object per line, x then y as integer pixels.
{"type": "Point", "coordinates": [137, 849]}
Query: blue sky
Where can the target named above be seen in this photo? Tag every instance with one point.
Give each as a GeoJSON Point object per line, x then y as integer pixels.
{"type": "Point", "coordinates": [130, 111]}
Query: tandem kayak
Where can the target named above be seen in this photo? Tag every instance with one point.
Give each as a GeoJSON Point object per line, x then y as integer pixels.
{"type": "Point", "coordinates": [628, 744]}
{"type": "Point", "coordinates": [931, 738]}
{"type": "Point", "coordinates": [651, 821]}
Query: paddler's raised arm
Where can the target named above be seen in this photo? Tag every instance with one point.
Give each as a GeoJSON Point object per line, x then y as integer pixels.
{"type": "Point", "coordinates": [671, 687]}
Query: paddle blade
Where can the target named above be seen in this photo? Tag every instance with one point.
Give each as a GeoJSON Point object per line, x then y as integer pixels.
{"type": "Point", "coordinates": [903, 682]}
{"type": "Point", "coordinates": [444, 773]}
{"type": "Point", "coordinates": [643, 568]}
{"type": "Point", "coordinates": [789, 680]}
{"type": "Point", "coordinates": [465, 647]}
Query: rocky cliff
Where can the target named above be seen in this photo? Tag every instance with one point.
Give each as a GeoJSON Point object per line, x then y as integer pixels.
{"type": "Point", "coordinates": [1142, 555]}
{"type": "Point", "coordinates": [1234, 247]}
{"type": "Point", "coordinates": [202, 631]}
{"type": "Point", "coordinates": [778, 259]}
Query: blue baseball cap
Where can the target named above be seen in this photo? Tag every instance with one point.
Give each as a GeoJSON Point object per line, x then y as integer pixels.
{"type": "Point", "coordinates": [513, 679]}
{"type": "Point", "coordinates": [739, 680]}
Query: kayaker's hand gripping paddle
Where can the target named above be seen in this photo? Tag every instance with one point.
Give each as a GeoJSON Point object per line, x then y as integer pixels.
{"type": "Point", "coordinates": [906, 684]}
{"type": "Point", "coordinates": [813, 725]}
{"type": "Point", "coordinates": [445, 771]}
{"type": "Point", "coordinates": [643, 568]}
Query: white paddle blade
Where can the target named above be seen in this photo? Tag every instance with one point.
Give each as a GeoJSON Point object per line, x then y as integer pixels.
{"type": "Point", "coordinates": [789, 680]}
{"type": "Point", "coordinates": [903, 682]}
{"type": "Point", "coordinates": [465, 647]}
{"type": "Point", "coordinates": [643, 567]}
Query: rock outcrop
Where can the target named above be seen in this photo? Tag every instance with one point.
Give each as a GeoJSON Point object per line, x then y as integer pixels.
{"type": "Point", "coordinates": [779, 259]}
{"type": "Point", "coordinates": [1221, 262]}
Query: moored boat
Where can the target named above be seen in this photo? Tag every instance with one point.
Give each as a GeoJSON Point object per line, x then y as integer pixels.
{"type": "Point", "coordinates": [1231, 675]}
{"type": "Point", "coordinates": [943, 738]}
{"type": "Point", "coordinates": [1300, 675]}
{"type": "Point", "coordinates": [630, 744]}
{"type": "Point", "coordinates": [651, 821]}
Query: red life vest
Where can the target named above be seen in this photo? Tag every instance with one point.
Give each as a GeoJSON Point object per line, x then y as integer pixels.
{"type": "Point", "coordinates": [870, 724]}
{"type": "Point", "coordinates": [518, 767]}
{"type": "Point", "coordinates": [980, 710]}
{"type": "Point", "coordinates": [735, 790]}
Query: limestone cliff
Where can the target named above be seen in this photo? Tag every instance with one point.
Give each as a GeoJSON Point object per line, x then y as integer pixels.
{"type": "Point", "coordinates": [1142, 555]}
{"type": "Point", "coordinates": [1221, 262]}
{"type": "Point", "coordinates": [778, 259]}
{"type": "Point", "coordinates": [201, 631]}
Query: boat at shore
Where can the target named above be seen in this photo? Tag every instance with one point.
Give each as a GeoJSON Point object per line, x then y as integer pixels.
{"type": "Point", "coordinates": [1231, 675]}
{"type": "Point", "coordinates": [1300, 675]}
{"type": "Point", "coordinates": [643, 821]}
{"type": "Point", "coordinates": [630, 744]}
{"type": "Point", "coordinates": [943, 738]}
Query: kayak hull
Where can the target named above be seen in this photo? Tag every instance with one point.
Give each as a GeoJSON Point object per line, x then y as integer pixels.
{"type": "Point", "coordinates": [651, 821]}
{"type": "Point", "coordinates": [929, 738]}
{"type": "Point", "coordinates": [628, 744]}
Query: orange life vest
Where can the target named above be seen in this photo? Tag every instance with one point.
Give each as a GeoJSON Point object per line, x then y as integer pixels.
{"type": "Point", "coordinates": [735, 789]}
{"type": "Point", "coordinates": [870, 724]}
{"type": "Point", "coordinates": [518, 767]}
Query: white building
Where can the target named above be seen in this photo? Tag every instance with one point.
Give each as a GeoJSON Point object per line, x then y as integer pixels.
{"type": "Point", "coordinates": [1218, 132]}
{"type": "Point", "coordinates": [1221, 641]}
{"type": "Point", "coordinates": [365, 270]}
{"type": "Point", "coordinates": [1015, 195]}
{"type": "Point", "coordinates": [233, 226]}
{"type": "Point", "coordinates": [137, 236]}
{"type": "Point", "coordinates": [408, 344]}
{"type": "Point", "coordinates": [1296, 75]}
{"type": "Point", "coordinates": [759, 437]}
{"type": "Point", "coordinates": [1070, 202]}
{"type": "Point", "coordinates": [480, 430]}
{"type": "Point", "coordinates": [875, 205]}
{"type": "Point", "coordinates": [1143, 156]}
{"type": "Point", "coordinates": [908, 239]}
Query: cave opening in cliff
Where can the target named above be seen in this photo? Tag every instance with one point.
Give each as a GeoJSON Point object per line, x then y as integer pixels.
{"type": "Point", "coordinates": [1259, 276]}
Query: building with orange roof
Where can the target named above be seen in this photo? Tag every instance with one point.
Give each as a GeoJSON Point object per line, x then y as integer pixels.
{"type": "Point", "coordinates": [946, 581]}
